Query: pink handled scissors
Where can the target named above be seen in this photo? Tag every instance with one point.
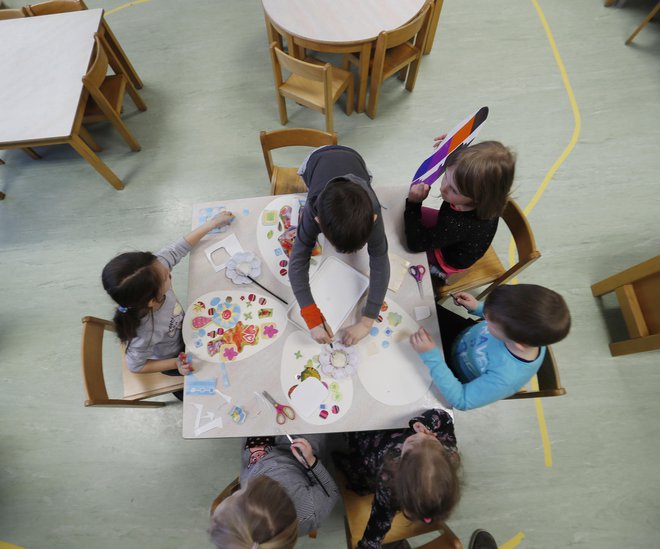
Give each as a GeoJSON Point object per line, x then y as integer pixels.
{"type": "Point", "coordinates": [418, 272]}
{"type": "Point", "coordinates": [283, 412]}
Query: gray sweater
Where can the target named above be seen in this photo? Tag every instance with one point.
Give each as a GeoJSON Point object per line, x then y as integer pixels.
{"type": "Point", "coordinates": [159, 333]}
{"type": "Point", "coordinates": [312, 504]}
{"type": "Point", "coordinates": [321, 167]}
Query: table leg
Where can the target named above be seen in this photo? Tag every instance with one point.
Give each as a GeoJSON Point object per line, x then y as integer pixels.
{"type": "Point", "coordinates": [118, 51]}
{"type": "Point", "coordinates": [363, 73]}
{"type": "Point", "coordinates": [31, 153]}
{"type": "Point", "coordinates": [88, 154]}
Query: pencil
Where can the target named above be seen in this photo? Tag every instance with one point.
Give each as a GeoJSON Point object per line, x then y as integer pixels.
{"type": "Point", "coordinates": [325, 327]}
{"type": "Point", "coordinates": [266, 289]}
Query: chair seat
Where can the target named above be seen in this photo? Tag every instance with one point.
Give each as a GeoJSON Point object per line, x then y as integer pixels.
{"type": "Point", "coordinates": [486, 269]}
{"type": "Point", "coordinates": [287, 181]}
{"type": "Point", "coordinates": [310, 93]}
{"type": "Point", "coordinates": [398, 57]}
{"type": "Point", "coordinates": [112, 88]}
{"type": "Point", "coordinates": [140, 386]}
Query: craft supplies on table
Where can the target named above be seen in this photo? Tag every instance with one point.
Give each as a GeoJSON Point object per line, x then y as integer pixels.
{"type": "Point", "coordinates": [418, 272]}
{"type": "Point", "coordinates": [283, 413]}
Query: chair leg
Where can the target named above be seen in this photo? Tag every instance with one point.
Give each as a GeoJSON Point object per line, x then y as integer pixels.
{"type": "Point", "coordinates": [135, 96]}
{"type": "Point", "coordinates": [643, 24]}
{"type": "Point", "coordinates": [83, 150]}
{"type": "Point", "coordinates": [119, 125]}
{"type": "Point", "coordinates": [433, 25]}
{"type": "Point", "coordinates": [350, 96]}
{"type": "Point", "coordinates": [281, 105]}
{"type": "Point", "coordinates": [31, 153]}
{"type": "Point", "coordinates": [413, 70]}
{"type": "Point", "coordinates": [88, 139]}
{"type": "Point", "coordinates": [328, 117]}
{"type": "Point", "coordinates": [402, 74]}
{"type": "Point", "coordinates": [374, 92]}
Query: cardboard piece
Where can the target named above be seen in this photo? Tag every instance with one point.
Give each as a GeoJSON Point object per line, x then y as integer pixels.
{"type": "Point", "coordinates": [231, 245]}
{"type": "Point", "coordinates": [307, 397]}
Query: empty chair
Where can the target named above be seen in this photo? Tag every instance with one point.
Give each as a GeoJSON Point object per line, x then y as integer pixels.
{"type": "Point", "coordinates": [549, 384]}
{"type": "Point", "coordinates": [136, 386]}
{"type": "Point", "coordinates": [286, 180]}
{"type": "Point", "coordinates": [489, 269]}
{"type": "Point", "coordinates": [106, 97]}
{"type": "Point", "coordinates": [397, 51]}
{"type": "Point", "coordinates": [60, 6]}
{"type": "Point", "coordinates": [311, 83]}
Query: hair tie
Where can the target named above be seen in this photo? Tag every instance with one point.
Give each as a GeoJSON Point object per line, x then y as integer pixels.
{"type": "Point", "coordinates": [428, 520]}
{"type": "Point", "coordinates": [122, 309]}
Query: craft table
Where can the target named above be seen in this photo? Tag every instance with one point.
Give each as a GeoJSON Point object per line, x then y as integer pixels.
{"type": "Point", "coordinates": [207, 416]}
{"type": "Point", "coordinates": [42, 64]}
{"type": "Point", "coordinates": [337, 26]}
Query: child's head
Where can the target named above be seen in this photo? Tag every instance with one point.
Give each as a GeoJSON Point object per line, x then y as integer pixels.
{"type": "Point", "coordinates": [261, 514]}
{"type": "Point", "coordinates": [484, 174]}
{"type": "Point", "coordinates": [137, 281]}
{"type": "Point", "coordinates": [528, 314]}
{"type": "Point", "coordinates": [425, 484]}
{"type": "Point", "coordinates": [346, 215]}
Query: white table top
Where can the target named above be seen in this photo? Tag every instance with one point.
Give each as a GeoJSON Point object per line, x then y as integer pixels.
{"type": "Point", "coordinates": [42, 64]}
{"type": "Point", "coordinates": [340, 21]}
{"type": "Point", "coordinates": [262, 370]}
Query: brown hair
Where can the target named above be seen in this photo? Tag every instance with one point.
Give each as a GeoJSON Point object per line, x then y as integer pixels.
{"type": "Point", "coordinates": [529, 314]}
{"type": "Point", "coordinates": [484, 173]}
{"type": "Point", "coordinates": [262, 513]}
{"type": "Point", "coordinates": [346, 215]}
{"type": "Point", "coordinates": [425, 484]}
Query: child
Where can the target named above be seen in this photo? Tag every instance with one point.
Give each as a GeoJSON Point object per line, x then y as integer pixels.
{"type": "Point", "coordinates": [275, 458]}
{"type": "Point", "coordinates": [260, 515]}
{"type": "Point", "coordinates": [342, 205]}
{"type": "Point", "coordinates": [412, 470]}
{"type": "Point", "coordinates": [475, 190]}
{"type": "Point", "coordinates": [148, 317]}
{"type": "Point", "coordinates": [488, 361]}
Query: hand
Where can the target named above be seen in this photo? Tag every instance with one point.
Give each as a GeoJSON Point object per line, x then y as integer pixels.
{"type": "Point", "coordinates": [183, 365]}
{"type": "Point", "coordinates": [421, 341]}
{"type": "Point", "coordinates": [222, 219]}
{"type": "Point", "coordinates": [322, 333]}
{"type": "Point", "coordinates": [359, 330]}
{"type": "Point", "coordinates": [301, 445]}
{"type": "Point", "coordinates": [438, 140]}
{"type": "Point", "coordinates": [418, 192]}
{"type": "Point", "coordinates": [419, 427]}
{"type": "Point", "coordinates": [466, 300]}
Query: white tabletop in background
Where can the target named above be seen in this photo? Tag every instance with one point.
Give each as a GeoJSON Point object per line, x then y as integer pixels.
{"type": "Point", "coordinates": [42, 62]}
{"type": "Point", "coordinates": [262, 371]}
{"type": "Point", "coordinates": [340, 21]}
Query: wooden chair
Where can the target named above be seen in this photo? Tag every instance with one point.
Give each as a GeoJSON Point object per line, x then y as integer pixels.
{"type": "Point", "coordinates": [489, 269]}
{"type": "Point", "coordinates": [548, 380]}
{"type": "Point", "coordinates": [433, 25]}
{"type": "Point", "coordinates": [356, 516]}
{"type": "Point", "coordinates": [136, 386]}
{"type": "Point", "coordinates": [313, 84]}
{"type": "Point", "coordinates": [61, 6]}
{"type": "Point", "coordinates": [286, 180]}
{"type": "Point", "coordinates": [233, 487]}
{"type": "Point", "coordinates": [397, 51]}
{"type": "Point", "coordinates": [107, 97]}
{"type": "Point", "coordinates": [11, 13]}
{"type": "Point", "coordinates": [638, 293]}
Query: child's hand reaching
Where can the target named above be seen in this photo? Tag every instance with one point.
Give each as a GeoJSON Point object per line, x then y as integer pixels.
{"type": "Point", "coordinates": [222, 219]}
{"type": "Point", "coordinates": [421, 341]}
{"type": "Point", "coordinates": [466, 300]}
{"type": "Point", "coordinates": [183, 365]}
{"type": "Point", "coordinates": [418, 192]}
{"type": "Point", "coordinates": [438, 140]}
{"type": "Point", "coordinates": [300, 445]}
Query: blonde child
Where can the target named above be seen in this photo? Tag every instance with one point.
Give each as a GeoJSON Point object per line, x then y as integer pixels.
{"type": "Point", "coordinates": [148, 316]}
{"type": "Point", "coordinates": [475, 189]}
{"type": "Point", "coordinates": [413, 471]}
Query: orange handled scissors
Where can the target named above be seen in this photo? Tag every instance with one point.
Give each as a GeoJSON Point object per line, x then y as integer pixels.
{"type": "Point", "coordinates": [283, 412]}
{"type": "Point", "coordinates": [418, 272]}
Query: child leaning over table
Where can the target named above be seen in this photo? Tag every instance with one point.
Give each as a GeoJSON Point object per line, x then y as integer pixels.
{"type": "Point", "coordinates": [491, 360]}
{"type": "Point", "coordinates": [412, 470]}
{"type": "Point", "coordinates": [148, 316]}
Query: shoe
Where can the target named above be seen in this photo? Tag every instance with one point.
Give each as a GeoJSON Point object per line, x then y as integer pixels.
{"type": "Point", "coordinates": [481, 539]}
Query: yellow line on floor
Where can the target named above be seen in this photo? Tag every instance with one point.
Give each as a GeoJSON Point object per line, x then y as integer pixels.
{"type": "Point", "coordinates": [113, 10]}
{"type": "Point", "coordinates": [514, 541]}
{"type": "Point", "coordinates": [577, 125]}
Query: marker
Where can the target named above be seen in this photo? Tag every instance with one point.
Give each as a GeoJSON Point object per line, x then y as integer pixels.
{"type": "Point", "coordinates": [307, 464]}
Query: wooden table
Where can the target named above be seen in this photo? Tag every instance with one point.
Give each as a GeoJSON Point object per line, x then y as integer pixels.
{"type": "Point", "coordinates": [41, 97]}
{"type": "Point", "coordinates": [262, 370]}
{"type": "Point", "coordinates": [337, 26]}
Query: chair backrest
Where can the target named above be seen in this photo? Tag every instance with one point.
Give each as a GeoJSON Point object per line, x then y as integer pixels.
{"type": "Point", "coordinates": [55, 6]}
{"type": "Point", "coordinates": [294, 137]}
{"type": "Point", "coordinates": [311, 71]}
{"type": "Point", "coordinates": [230, 489]}
{"type": "Point", "coordinates": [521, 231]}
{"type": "Point", "coordinates": [11, 13]}
{"type": "Point", "coordinates": [98, 68]}
{"type": "Point", "coordinates": [548, 379]}
{"type": "Point", "coordinates": [92, 359]}
{"type": "Point", "coordinates": [393, 38]}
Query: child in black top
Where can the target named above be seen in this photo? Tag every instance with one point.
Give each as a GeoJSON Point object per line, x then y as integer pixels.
{"type": "Point", "coordinates": [475, 190]}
